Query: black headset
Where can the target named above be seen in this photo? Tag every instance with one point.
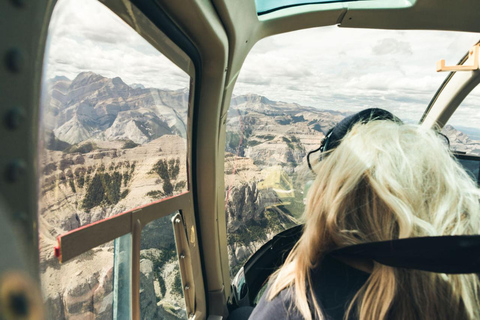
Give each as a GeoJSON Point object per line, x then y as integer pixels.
{"type": "Point", "coordinates": [335, 135]}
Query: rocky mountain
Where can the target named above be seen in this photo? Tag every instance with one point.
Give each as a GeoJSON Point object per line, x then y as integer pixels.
{"type": "Point", "coordinates": [93, 106]}
{"type": "Point", "coordinates": [265, 168]}
{"type": "Point", "coordinates": [273, 132]}
{"type": "Point", "coordinates": [460, 141]}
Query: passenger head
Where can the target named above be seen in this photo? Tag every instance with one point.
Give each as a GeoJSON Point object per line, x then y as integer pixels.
{"type": "Point", "coordinates": [385, 181]}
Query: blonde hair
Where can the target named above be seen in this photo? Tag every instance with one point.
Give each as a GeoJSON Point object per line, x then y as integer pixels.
{"type": "Point", "coordinates": [387, 181]}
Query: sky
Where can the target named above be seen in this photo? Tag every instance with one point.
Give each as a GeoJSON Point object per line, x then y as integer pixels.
{"type": "Point", "coordinates": [327, 68]}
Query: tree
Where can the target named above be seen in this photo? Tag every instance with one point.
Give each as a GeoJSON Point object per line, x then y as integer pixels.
{"type": "Point", "coordinates": [168, 171]}
{"type": "Point", "coordinates": [177, 284]}
{"type": "Point", "coordinates": [103, 188]}
{"type": "Point", "coordinates": [95, 192]}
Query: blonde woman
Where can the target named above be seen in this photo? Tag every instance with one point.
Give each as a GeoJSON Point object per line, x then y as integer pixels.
{"type": "Point", "coordinates": [378, 180]}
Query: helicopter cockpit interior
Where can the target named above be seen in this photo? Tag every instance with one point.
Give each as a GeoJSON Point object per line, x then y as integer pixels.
{"type": "Point", "coordinates": [154, 151]}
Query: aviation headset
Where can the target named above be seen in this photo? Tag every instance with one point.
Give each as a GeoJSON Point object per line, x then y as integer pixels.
{"type": "Point", "coordinates": [443, 254]}
{"type": "Point", "coordinates": [335, 135]}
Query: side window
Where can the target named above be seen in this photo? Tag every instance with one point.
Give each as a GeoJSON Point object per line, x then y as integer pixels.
{"type": "Point", "coordinates": [463, 129]}
{"type": "Point", "coordinates": [113, 138]}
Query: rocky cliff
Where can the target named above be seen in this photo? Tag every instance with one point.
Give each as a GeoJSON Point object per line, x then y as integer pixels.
{"type": "Point", "coordinates": [92, 106]}
{"type": "Point", "coordinates": [460, 141]}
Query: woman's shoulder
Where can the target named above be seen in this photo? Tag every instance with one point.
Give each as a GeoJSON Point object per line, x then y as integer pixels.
{"type": "Point", "coordinates": [280, 307]}
{"type": "Point", "coordinates": [334, 285]}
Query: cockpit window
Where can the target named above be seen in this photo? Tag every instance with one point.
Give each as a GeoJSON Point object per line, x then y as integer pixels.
{"type": "Point", "coordinates": [113, 138]}
{"type": "Point", "coordinates": [463, 127]}
{"type": "Point", "coordinates": [267, 6]}
{"type": "Point", "coordinates": [291, 90]}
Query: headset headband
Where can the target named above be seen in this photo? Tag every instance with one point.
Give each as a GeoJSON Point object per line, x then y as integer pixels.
{"type": "Point", "coordinates": [335, 135]}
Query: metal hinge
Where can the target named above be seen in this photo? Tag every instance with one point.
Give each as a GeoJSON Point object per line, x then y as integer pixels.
{"type": "Point", "coordinates": [185, 262]}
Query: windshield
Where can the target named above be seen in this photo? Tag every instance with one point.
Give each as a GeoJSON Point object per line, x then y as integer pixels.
{"type": "Point", "coordinates": [291, 90]}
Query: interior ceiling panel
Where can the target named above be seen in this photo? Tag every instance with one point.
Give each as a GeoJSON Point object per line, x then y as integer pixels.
{"type": "Point", "coordinates": [425, 14]}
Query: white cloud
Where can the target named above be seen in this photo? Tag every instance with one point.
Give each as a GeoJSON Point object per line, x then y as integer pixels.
{"type": "Point", "coordinates": [468, 112]}
{"type": "Point", "coordinates": [351, 69]}
{"type": "Point", "coordinates": [87, 36]}
{"type": "Point", "coordinates": [329, 67]}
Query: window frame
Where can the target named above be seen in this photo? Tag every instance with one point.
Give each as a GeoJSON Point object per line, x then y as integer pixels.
{"type": "Point", "coordinates": [455, 88]}
{"type": "Point", "coordinates": [85, 238]}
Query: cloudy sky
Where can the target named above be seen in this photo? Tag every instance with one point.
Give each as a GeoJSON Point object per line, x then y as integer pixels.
{"type": "Point", "coordinates": [328, 68]}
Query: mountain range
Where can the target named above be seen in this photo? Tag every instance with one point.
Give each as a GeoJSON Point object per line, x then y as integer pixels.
{"type": "Point", "coordinates": [93, 106]}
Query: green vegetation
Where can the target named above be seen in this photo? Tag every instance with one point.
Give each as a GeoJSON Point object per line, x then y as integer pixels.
{"type": "Point", "coordinates": [177, 284]}
{"type": "Point", "coordinates": [288, 142]}
{"type": "Point", "coordinates": [124, 194]}
{"type": "Point", "coordinates": [80, 180]}
{"type": "Point", "coordinates": [180, 185]}
{"type": "Point", "coordinates": [95, 193]}
{"type": "Point", "coordinates": [155, 194]}
{"type": "Point", "coordinates": [237, 141]}
{"type": "Point", "coordinates": [232, 140]}
{"type": "Point", "coordinates": [253, 143]}
{"type": "Point", "coordinates": [104, 189]}
{"type": "Point", "coordinates": [317, 127]}
{"type": "Point", "coordinates": [294, 139]}
{"type": "Point", "coordinates": [167, 187]}
{"type": "Point", "coordinates": [167, 171]}
{"type": "Point", "coordinates": [127, 175]}
{"type": "Point", "coordinates": [129, 144]}
{"type": "Point", "coordinates": [126, 178]}
{"type": "Point", "coordinates": [267, 137]}
{"type": "Point", "coordinates": [55, 144]}
{"type": "Point", "coordinates": [284, 122]}
{"type": "Point", "coordinates": [113, 184]}
{"type": "Point", "coordinates": [296, 119]}
{"type": "Point", "coordinates": [293, 143]}
{"type": "Point", "coordinates": [259, 162]}
{"type": "Point", "coordinates": [161, 282]}
{"type": "Point", "coordinates": [82, 148]}
{"type": "Point", "coordinates": [72, 185]}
